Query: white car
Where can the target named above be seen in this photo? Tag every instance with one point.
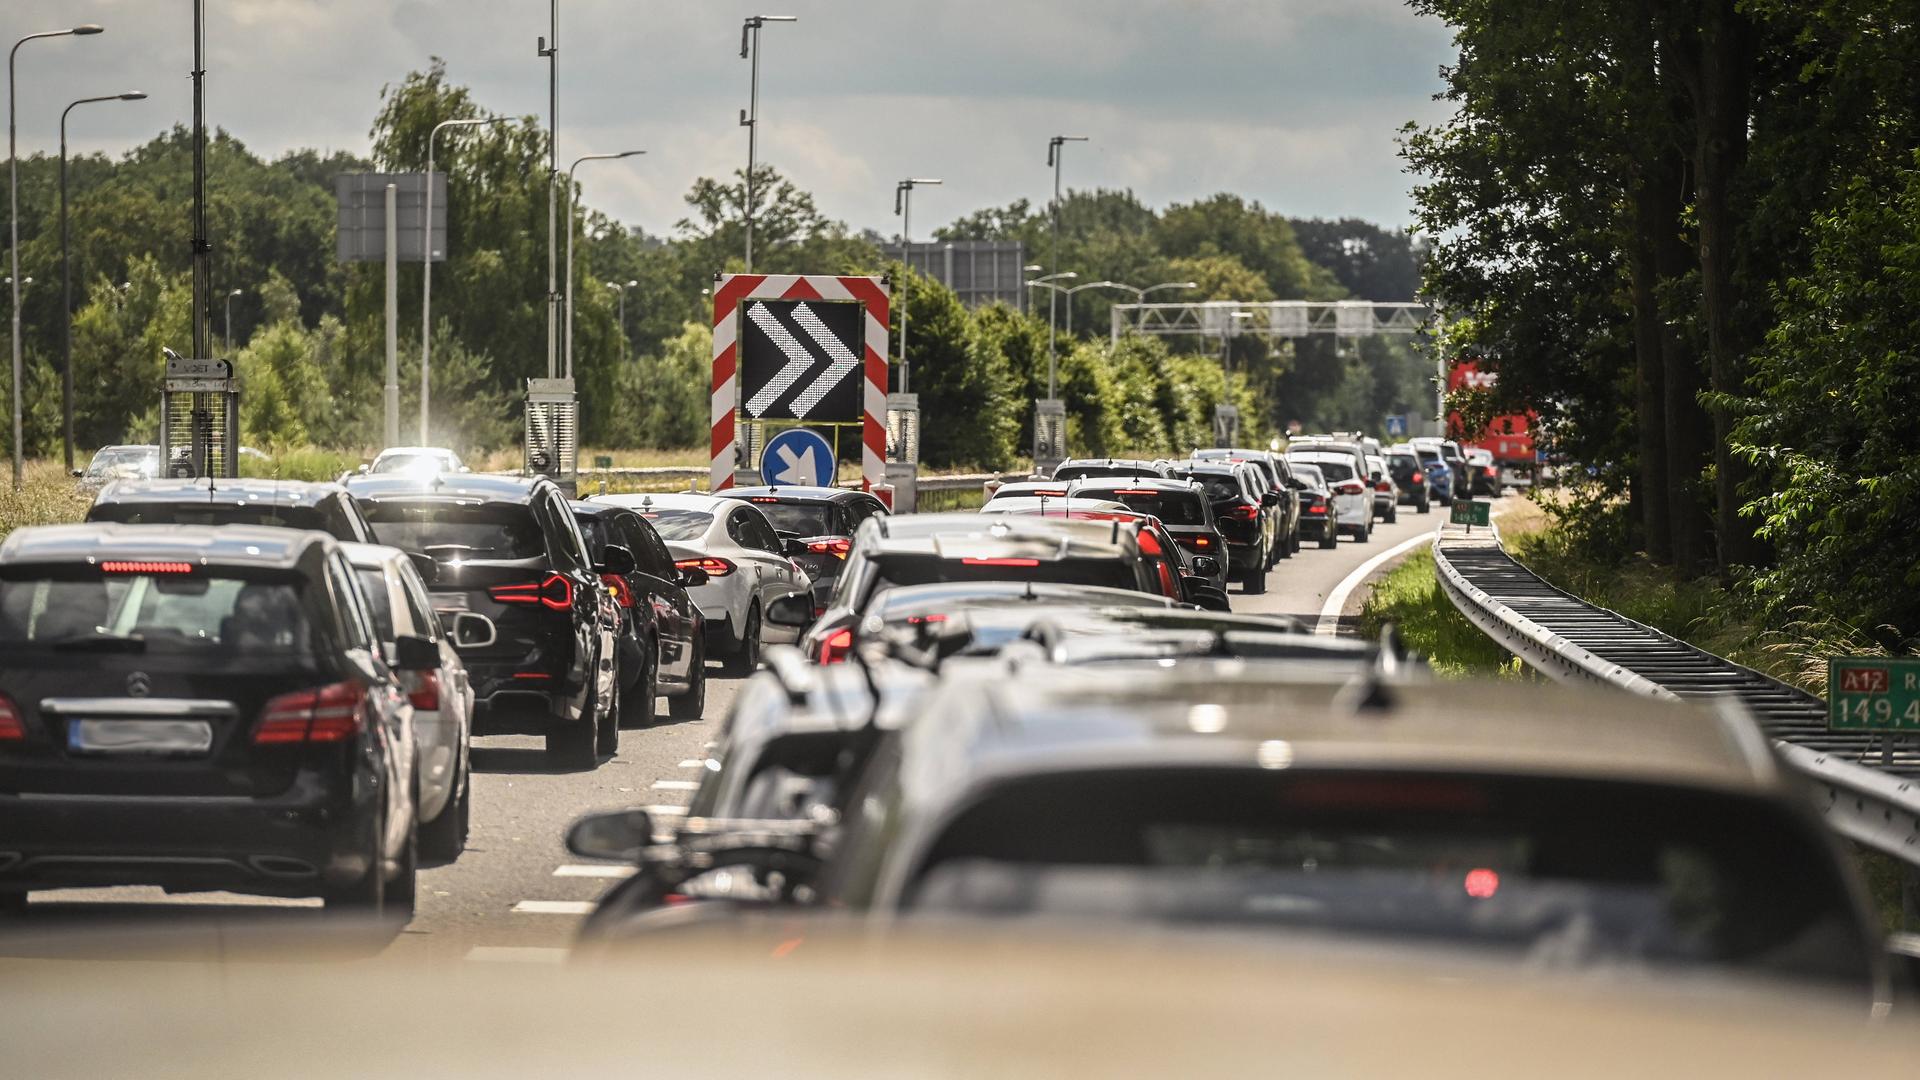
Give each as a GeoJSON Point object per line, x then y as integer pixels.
{"type": "Point", "coordinates": [1352, 501]}
{"type": "Point", "coordinates": [746, 564]}
{"type": "Point", "coordinates": [419, 460]}
{"type": "Point", "coordinates": [398, 603]}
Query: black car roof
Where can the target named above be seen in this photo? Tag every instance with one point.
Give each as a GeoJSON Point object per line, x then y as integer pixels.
{"type": "Point", "coordinates": [219, 492]}
{"type": "Point", "coordinates": [792, 494]}
{"type": "Point", "coordinates": [478, 487]}
{"type": "Point", "coordinates": [207, 545]}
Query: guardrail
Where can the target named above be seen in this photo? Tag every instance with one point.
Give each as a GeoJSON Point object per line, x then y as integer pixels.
{"type": "Point", "coordinates": [1570, 640]}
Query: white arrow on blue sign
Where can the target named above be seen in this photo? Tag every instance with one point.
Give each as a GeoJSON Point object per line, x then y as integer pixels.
{"type": "Point", "coordinates": [798, 457]}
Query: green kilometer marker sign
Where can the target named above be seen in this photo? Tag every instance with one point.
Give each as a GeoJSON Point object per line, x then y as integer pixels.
{"type": "Point", "coordinates": [603, 461]}
{"type": "Point", "coordinates": [1472, 512]}
{"type": "Point", "coordinates": [1873, 693]}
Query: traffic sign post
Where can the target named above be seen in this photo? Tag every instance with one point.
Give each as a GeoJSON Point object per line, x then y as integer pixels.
{"type": "Point", "coordinates": [1471, 512]}
{"type": "Point", "coordinates": [798, 457]}
{"type": "Point", "coordinates": [1397, 426]}
{"type": "Point", "coordinates": [1873, 693]}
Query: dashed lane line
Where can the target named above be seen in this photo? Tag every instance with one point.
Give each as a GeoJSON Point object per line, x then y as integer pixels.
{"type": "Point", "coordinates": [676, 785]}
{"type": "Point", "coordinates": [582, 870]}
{"type": "Point", "coordinates": [554, 907]}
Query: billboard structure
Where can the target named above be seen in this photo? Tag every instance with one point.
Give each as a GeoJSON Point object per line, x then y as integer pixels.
{"type": "Point", "coordinates": [980, 272]}
{"type": "Point", "coordinates": [792, 349]}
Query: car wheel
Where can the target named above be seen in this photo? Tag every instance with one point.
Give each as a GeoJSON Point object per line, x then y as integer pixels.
{"type": "Point", "coordinates": [606, 727]}
{"type": "Point", "coordinates": [571, 745]}
{"type": "Point", "coordinates": [1257, 579]}
{"type": "Point", "coordinates": [403, 890]}
{"type": "Point", "coordinates": [639, 702]}
{"type": "Point", "coordinates": [691, 703]}
{"type": "Point", "coordinates": [1297, 545]}
{"type": "Point", "coordinates": [1288, 544]}
{"type": "Point", "coordinates": [743, 662]}
{"type": "Point", "coordinates": [1426, 506]}
{"type": "Point", "coordinates": [1393, 515]}
{"type": "Point", "coordinates": [368, 896]}
{"type": "Point", "coordinates": [1329, 539]}
{"type": "Point", "coordinates": [445, 837]}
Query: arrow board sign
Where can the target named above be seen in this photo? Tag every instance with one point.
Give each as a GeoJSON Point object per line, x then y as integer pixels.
{"type": "Point", "coordinates": [800, 360]}
{"type": "Point", "coordinates": [797, 457]}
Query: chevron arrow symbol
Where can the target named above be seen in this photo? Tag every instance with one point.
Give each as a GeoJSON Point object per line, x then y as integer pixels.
{"type": "Point", "coordinates": [798, 359]}
{"type": "Point", "coordinates": [843, 359]}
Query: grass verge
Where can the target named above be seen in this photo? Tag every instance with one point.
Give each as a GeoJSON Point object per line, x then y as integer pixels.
{"type": "Point", "coordinates": [1409, 597]}
{"type": "Point", "coordinates": [48, 496]}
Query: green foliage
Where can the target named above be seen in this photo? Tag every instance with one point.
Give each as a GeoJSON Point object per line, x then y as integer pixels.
{"type": "Point", "coordinates": [957, 374]}
{"type": "Point", "coordinates": [1409, 598]}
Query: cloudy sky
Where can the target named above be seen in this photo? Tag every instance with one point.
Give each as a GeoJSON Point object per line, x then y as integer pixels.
{"type": "Point", "coordinates": [1292, 102]}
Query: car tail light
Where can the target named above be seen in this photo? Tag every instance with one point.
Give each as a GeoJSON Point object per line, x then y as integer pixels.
{"type": "Point", "coordinates": [618, 587]}
{"type": "Point", "coordinates": [1049, 493]}
{"type": "Point", "coordinates": [1135, 491]}
{"type": "Point", "coordinates": [1417, 477]}
{"type": "Point", "coordinates": [555, 592]}
{"type": "Point", "coordinates": [714, 567]}
{"type": "Point", "coordinates": [921, 620]}
{"type": "Point", "coordinates": [837, 646]}
{"type": "Point", "coordinates": [764, 499]}
{"type": "Point", "coordinates": [1197, 541]}
{"type": "Point", "coordinates": [1245, 512]}
{"type": "Point", "coordinates": [146, 568]}
{"type": "Point", "coordinates": [1384, 485]}
{"type": "Point", "coordinates": [1000, 562]}
{"type": "Point", "coordinates": [838, 547]}
{"type": "Point", "coordinates": [1316, 505]}
{"type": "Point", "coordinates": [425, 694]}
{"type": "Point", "coordinates": [1351, 487]}
{"type": "Point", "coordinates": [12, 727]}
{"type": "Point", "coordinates": [321, 715]}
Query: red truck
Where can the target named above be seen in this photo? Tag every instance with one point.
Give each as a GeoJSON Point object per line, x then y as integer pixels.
{"type": "Point", "coordinates": [1508, 438]}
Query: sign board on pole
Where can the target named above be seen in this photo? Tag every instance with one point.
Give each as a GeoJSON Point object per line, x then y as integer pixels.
{"type": "Point", "coordinates": [1873, 693]}
{"type": "Point", "coordinates": [1397, 427]}
{"type": "Point", "coordinates": [362, 205]}
{"type": "Point", "coordinates": [798, 457]}
{"type": "Point", "coordinates": [1471, 512]}
{"type": "Point", "coordinates": [800, 360]}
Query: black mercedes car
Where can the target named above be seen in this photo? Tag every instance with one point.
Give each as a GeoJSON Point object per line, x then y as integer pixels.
{"type": "Point", "coordinates": [287, 504]}
{"type": "Point", "coordinates": [662, 640]}
{"type": "Point", "coordinates": [817, 524]}
{"type": "Point", "coordinates": [509, 548]}
{"type": "Point", "coordinates": [200, 708]}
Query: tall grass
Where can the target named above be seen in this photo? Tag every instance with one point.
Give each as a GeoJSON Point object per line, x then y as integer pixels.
{"type": "Point", "coordinates": [1409, 597]}
{"type": "Point", "coordinates": [48, 496]}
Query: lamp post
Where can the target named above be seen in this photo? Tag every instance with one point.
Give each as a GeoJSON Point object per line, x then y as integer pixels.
{"type": "Point", "coordinates": [426, 266]}
{"type": "Point", "coordinates": [1026, 295]}
{"type": "Point", "coordinates": [622, 290]}
{"type": "Point", "coordinates": [1068, 293]}
{"type": "Point", "coordinates": [1056, 153]}
{"type": "Point", "coordinates": [1227, 333]}
{"type": "Point", "coordinates": [1140, 295]}
{"type": "Point", "coordinates": [549, 48]}
{"type": "Point", "coordinates": [66, 282]}
{"type": "Point", "coordinates": [227, 331]}
{"type": "Point", "coordinates": [13, 224]}
{"type": "Point", "coordinates": [750, 116]}
{"type": "Point", "coordinates": [1041, 282]}
{"type": "Point", "coordinates": [903, 206]}
{"type": "Point", "coordinates": [569, 299]}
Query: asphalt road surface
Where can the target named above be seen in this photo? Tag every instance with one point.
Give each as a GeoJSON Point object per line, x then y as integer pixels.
{"type": "Point", "coordinates": [516, 896]}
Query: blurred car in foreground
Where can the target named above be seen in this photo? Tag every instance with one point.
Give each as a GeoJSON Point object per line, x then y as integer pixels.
{"type": "Point", "coordinates": [201, 709]}
{"type": "Point", "coordinates": [286, 504]}
{"type": "Point", "coordinates": [816, 526]}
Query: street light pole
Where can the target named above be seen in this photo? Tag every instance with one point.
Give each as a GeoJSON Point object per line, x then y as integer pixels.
{"type": "Point", "coordinates": [903, 206]}
{"type": "Point", "coordinates": [229, 323]}
{"type": "Point", "coordinates": [750, 116]}
{"type": "Point", "coordinates": [550, 48]}
{"type": "Point", "coordinates": [1056, 152]}
{"type": "Point", "coordinates": [426, 267]}
{"type": "Point", "coordinates": [570, 207]}
{"type": "Point", "coordinates": [66, 282]}
{"type": "Point", "coordinates": [13, 224]}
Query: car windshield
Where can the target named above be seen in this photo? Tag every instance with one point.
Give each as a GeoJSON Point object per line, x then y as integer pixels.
{"type": "Point", "coordinates": [451, 530]}
{"type": "Point", "coordinates": [174, 612]}
{"type": "Point", "coordinates": [1171, 507]}
{"type": "Point", "coordinates": [1334, 471]}
{"type": "Point", "coordinates": [798, 519]}
{"type": "Point", "coordinates": [1539, 870]}
{"type": "Point", "coordinates": [673, 524]}
{"type": "Point", "coordinates": [173, 513]}
{"type": "Point", "coordinates": [146, 462]}
{"type": "Point", "coordinates": [373, 586]}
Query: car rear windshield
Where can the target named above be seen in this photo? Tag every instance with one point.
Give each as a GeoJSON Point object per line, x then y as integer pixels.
{"type": "Point", "coordinates": [1402, 466]}
{"type": "Point", "coordinates": [1171, 507]}
{"type": "Point", "coordinates": [1084, 472]}
{"type": "Point", "coordinates": [405, 463]}
{"type": "Point", "coordinates": [674, 524]}
{"type": "Point", "coordinates": [1334, 471]}
{"type": "Point", "coordinates": [170, 513]}
{"type": "Point", "coordinates": [451, 530]}
{"type": "Point", "coordinates": [144, 461]}
{"type": "Point", "coordinates": [174, 612]}
{"type": "Point", "coordinates": [895, 570]}
{"type": "Point", "coordinates": [1428, 456]}
{"type": "Point", "coordinates": [798, 519]}
{"type": "Point", "coordinates": [1586, 873]}
{"type": "Point", "coordinates": [1219, 486]}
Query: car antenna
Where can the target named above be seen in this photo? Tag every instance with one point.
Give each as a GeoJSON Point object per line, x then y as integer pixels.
{"type": "Point", "coordinates": [1370, 690]}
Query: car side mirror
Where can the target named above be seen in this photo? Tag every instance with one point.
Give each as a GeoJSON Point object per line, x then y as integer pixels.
{"type": "Point", "coordinates": [616, 836]}
{"type": "Point", "coordinates": [1204, 596]}
{"type": "Point", "coordinates": [414, 653]}
{"type": "Point", "coordinates": [1271, 498]}
{"type": "Point", "coordinates": [793, 611]}
{"type": "Point", "coordinates": [616, 560]}
{"type": "Point", "coordinates": [423, 563]}
{"type": "Point", "coordinates": [366, 467]}
{"type": "Point", "coordinates": [76, 473]}
{"type": "Point", "coordinates": [1206, 565]}
{"type": "Point", "coordinates": [692, 577]}
{"type": "Point", "coordinates": [472, 630]}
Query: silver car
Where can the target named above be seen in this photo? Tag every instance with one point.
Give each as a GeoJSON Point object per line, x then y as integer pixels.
{"type": "Point", "coordinates": [747, 567]}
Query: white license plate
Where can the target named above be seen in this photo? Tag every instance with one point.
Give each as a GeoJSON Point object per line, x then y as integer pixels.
{"type": "Point", "coordinates": [104, 736]}
{"type": "Point", "coordinates": [450, 601]}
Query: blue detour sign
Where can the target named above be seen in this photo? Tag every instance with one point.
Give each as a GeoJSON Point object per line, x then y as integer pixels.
{"type": "Point", "coordinates": [798, 457]}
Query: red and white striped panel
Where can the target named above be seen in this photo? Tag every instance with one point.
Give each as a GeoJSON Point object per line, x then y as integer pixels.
{"type": "Point", "coordinates": [729, 290]}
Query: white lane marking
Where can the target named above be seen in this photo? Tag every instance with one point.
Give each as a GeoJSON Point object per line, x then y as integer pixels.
{"type": "Point", "coordinates": [1329, 623]}
{"type": "Point", "coordinates": [554, 907]}
{"type": "Point", "coordinates": [694, 763]}
{"type": "Point", "coordinates": [676, 785]}
{"type": "Point", "coordinates": [517, 954]}
{"type": "Point", "coordinates": [664, 810]}
{"type": "Point", "coordinates": [586, 871]}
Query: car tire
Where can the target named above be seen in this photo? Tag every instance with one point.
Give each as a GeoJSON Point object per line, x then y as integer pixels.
{"type": "Point", "coordinates": [404, 890]}
{"type": "Point", "coordinates": [1288, 544]}
{"type": "Point", "coordinates": [445, 837]}
{"type": "Point", "coordinates": [691, 703]}
{"type": "Point", "coordinates": [606, 726]}
{"type": "Point", "coordinates": [368, 896]}
{"type": "Point", "coordinates": [1256, 582]}
{"type": "Point", "coordinates": [640, 702]}
{"type": "Point", "coordinates": [747, 657]}
{"type": "Point", "coordinates": [1297, 545]}
{"type": "Point", "coordinates": [1426, 506]}
{"type": "Point", "coordinates": [1329, 540]}
{"type": "Point", "coordinates": [1393, 515]}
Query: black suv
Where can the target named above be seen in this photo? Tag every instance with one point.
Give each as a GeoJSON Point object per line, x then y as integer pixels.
{"type": "Point", "coordinates": [662, 641]}
{"type": "Point", "coordinates": [1249, 518]}
{"type": "Point", "coordinates": [509, 548]}
{"type": "Point", "coordinates": [816, 525]}
{"type": "Point", "coordinates": [200, 708]}
{"type": "Point", "coordinates": [287, 504]}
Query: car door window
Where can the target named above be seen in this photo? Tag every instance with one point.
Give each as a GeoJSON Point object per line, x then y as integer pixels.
{"type": "Point", "coordinates": [355, 625]}
{"type": "Point", "coordinates": [569, 548]}
{"type": "Point", "coordinates": [737, 528]}
{"type": "Point", "coordinates": [419, 607]}
{"type": "Point", "coordinates": [648, 557]}
{"type": "Point", "coordinates": [762, 534]}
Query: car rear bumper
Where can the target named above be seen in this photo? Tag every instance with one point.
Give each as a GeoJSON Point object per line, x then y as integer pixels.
{"type": "Point", "coordinates": [318, 832]}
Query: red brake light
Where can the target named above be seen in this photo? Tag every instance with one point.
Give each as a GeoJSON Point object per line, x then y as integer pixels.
{"type": "Point", "coordinates": [426, 691]}
{"type": "Point", "coordinates": [146, 568]}
{"type": "Point", "coordinates": [556, 592]}
{"type": "Point", "coordinates": [1197, 541]}
{"type": "Point", "coordinates": [12, 727]}
{"type": "Point", "coordinates": [1351, 487]}
{"type": "Point", "coordinates": [1482, 883]}
{"type": "Point", "coordinates": [1049, 493]}
{"type": "Point", "coordinates": [618, 587]}
{"type": "Point", "coordinates": [999, 562]}
{"type": "Point", "coordinates": [714, 567]}
{"type": "Point", "coordinates": [837, 646]}
{"type": "Point", "coordinates": [323, 714]}
{"type": "Point", "coordinates": [838, 547]}
{"type": "Point", "coordinates": [763, 499]}
{"type": "Point", "coordinates": [1245, 512]}
{"type": "Point", "coordinates": [1419, 476]}
{"type": "Point", "coordinates": [918, 620]}
{"type": "Point", "coordinates": [1136, 491]}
